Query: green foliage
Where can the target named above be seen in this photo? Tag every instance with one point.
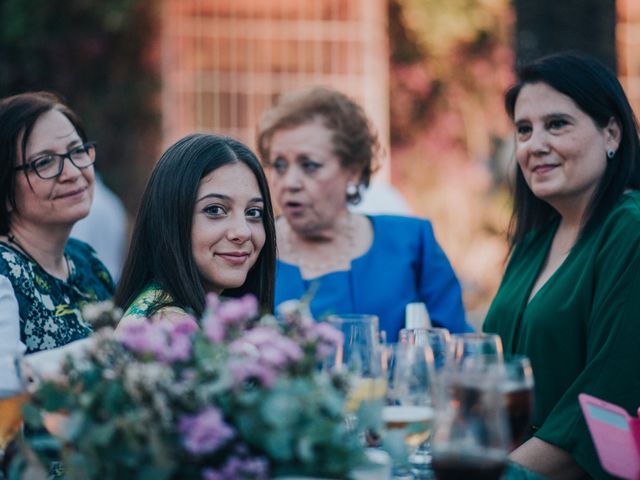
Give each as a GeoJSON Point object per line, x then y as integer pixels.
{"type": "Point", "coordinates": [174, 399]}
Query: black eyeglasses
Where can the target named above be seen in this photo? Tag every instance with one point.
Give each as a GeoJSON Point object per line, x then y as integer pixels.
{"type": "Point", "coordinates": [50, 165]}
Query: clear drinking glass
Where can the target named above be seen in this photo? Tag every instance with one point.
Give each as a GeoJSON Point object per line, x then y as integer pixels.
{"type": "Point", "coordinates": [514, 377]}
{"type": "Point", "coordinates": [409, 412]}
{"type": "Point", "coordinates": [438, 339]}
{"type": "Point", "coordinates": [471, 436]}
{"type": "Point", "coordinates": [12, 396]}
{"type": "Point", "coordinates": [360, 358]}
{"type": "Point", "coordinates": [517, 387]}
{"type": "Point", "coordinates": [465, 345]}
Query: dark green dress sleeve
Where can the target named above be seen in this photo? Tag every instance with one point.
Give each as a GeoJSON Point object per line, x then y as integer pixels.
{"type": "Point", "coordinates": [581, 329]}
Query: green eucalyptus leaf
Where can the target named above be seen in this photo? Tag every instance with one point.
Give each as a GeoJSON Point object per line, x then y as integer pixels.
{"type": "Point", "coordinates": [32, 415]}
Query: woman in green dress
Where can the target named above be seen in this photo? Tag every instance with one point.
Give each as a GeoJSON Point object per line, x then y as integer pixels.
{"type": "Point", "coordinates": [205, 225]}
{"type": "Point", "coordinates": [570, 296]}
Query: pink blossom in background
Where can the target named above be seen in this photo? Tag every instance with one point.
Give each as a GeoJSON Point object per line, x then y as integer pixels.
{"type": "Point", "coordinates": [205, 432]}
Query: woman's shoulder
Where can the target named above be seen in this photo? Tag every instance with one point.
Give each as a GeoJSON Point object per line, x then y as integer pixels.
{"type": "Point", "coordinates": [399, 228]}
{"type": "Point", "coordinates": [404, 221]}
{"type": "Point", "coordinates": [86, 263]}
{"type": "Point", "coordinates": [624, 218]}
{"type": "Point", "coordinates": [146, 304]}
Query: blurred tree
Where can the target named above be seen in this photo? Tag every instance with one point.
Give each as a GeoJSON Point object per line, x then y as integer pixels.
{"type": "Point", "coordinates": [451, 62]}
{"type": "Point", "coordinates": [101, 57]}
{"type": "Point", "coordinates": [546, 26]}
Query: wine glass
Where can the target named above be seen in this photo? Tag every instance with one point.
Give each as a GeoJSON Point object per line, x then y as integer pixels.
{"type": "Point", "coordinates": [465, 345]}
{"type": "Point", "coordinates": [437, 338]}
{"type": "Point", "coordinates": [360, 358]}
{"type": "Point", "coordinates": [409, 412]}
{"type": "Point", "coordinates": [471, 436]}
{"type": "Point", "coordinates": [12, 396]}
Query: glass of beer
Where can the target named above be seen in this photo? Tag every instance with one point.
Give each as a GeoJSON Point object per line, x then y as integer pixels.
{"type": "Point", "coordinates": [12, 396]}
{"type": "Point", "coordinates": [408, 413]}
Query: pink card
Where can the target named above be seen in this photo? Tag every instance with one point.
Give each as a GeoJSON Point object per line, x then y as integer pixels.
{"type": "Point", "coordinates": [615, 434]}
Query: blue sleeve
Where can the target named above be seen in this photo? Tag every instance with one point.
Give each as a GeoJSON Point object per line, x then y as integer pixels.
{"type": "Point", "coordinates": [438, 285]}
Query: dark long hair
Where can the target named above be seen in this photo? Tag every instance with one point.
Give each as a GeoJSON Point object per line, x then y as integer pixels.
{"type": "Point", "coordinates": [161, 250]}
{"type": "Point", "coordinates": [18, 115]}
{"type": "Point", "coordinates": [597, 92]}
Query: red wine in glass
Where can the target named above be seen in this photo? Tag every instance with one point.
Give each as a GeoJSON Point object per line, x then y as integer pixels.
{"type": "Point", "coordinates": [461, 466]}
{"type": "Point", "coordinates": [519, 407]}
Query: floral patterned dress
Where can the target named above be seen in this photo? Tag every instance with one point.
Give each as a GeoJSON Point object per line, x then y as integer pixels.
{"type": "Point", "coordinates": [50, 308]}
{"type": "Point", "coordinates": [145, 305]}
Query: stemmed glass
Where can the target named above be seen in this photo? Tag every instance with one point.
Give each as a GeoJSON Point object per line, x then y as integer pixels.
{"type": "Point", "coordinates": [360, 358]}
{"type": "Point", "coordinates": [409, 411]}
{"type": "Point", "coordinates": [471, 437]}
{"type": "Point", "coordinates": [12, 396]}
{"type": "Point", "coordinates": [438, 339]}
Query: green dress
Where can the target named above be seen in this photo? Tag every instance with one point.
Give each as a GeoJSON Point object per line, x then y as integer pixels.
{"type": "Point", "coordinates": [581, 330]}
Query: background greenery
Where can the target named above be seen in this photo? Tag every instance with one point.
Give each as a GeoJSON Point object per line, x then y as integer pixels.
{"type": "Point", "coordinates": [102, 58]}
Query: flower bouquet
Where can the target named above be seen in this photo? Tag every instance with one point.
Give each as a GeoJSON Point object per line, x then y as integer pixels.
{"type": "Point", "coordinates": [229, 396]}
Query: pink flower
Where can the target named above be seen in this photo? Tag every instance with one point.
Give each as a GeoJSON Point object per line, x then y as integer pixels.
{"type": "Point", "coordinates": [205, 432]}
{"type": "Point", "coordinates": [269, 345]}
{"type": "Point", "coordinates": [236, 468]}
{"type": "Point", "coordinates": [238, 311]}
{"type": "Point", "coordinates": [328, 338]}
{"type": "Point", "coordinates": [168, 338]}
{"type": "Point", "coordinates": [213, 328]}
{"type": "Point", "coordinates": [248, 369]}
{"type": "Point", "coordinates": [141, 336]}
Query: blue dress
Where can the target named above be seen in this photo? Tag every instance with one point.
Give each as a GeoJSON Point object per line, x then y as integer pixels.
{"type": "Point", "coordinates": [404, 264]}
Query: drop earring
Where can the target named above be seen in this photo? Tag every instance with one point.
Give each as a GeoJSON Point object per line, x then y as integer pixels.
{"type": "Point", "coordinates": [353, 193]}
{"type": "Point", "coordinates": [610, 153]}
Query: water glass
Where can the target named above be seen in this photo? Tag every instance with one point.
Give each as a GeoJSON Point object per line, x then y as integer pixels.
{"type": "Point", "coordinates": [466, 345]}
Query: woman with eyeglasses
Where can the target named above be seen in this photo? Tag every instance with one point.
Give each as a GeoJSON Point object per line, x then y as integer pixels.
{"type": "Point", "coordinates": [46, 185]}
